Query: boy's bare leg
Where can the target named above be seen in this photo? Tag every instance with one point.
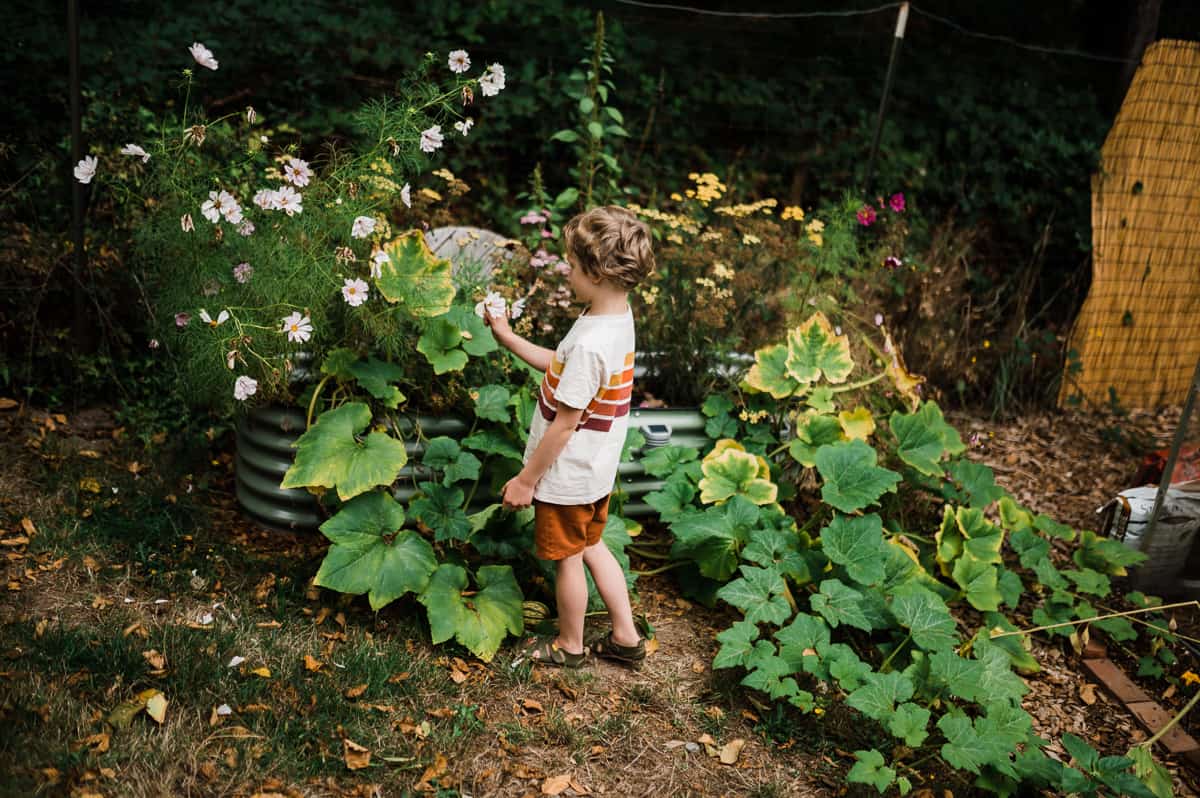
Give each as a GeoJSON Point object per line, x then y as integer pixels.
{"type": "Point", "coordinates": [572, 594]}
{"type": "Point", "coordinates": [610, 581]}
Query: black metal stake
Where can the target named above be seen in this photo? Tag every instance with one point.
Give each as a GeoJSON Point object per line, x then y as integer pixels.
{"type": "Point", "coordinates": [897, 40]}
{"type": "Point", "coordinates": [78, 328]}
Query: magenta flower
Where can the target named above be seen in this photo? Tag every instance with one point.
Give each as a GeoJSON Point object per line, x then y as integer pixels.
{"type": "Point", "coordinates": [182, 319]}
{"type": "Point", "coordinates": [533, 218]}
{"type": "Point", "coordinates": [242, 272]}
{"type": "Point", "coordinates": [865, 216]}
{"type": "Point", "coordinates": [892, 262]}
{"type": "Point", "coordinates": [896, 203]}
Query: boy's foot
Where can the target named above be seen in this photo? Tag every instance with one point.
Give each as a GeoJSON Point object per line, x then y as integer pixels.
{"type": "Point", "coordinates": [545, 649]}
{"type": "Point", "coordinates": [607, 648]}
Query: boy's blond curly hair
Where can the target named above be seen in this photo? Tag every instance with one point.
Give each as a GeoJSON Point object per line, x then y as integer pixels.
{"type": "Point", "coordinates": [611, 243]}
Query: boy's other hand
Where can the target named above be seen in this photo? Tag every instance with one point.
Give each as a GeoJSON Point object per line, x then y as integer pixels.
{"type": "Point", "coordinates": [516, 493]}
{"type": "Point", "coordinates": [499, 324]}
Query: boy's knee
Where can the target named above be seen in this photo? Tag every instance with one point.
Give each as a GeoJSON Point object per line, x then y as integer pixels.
{"type": "Point", "coordinates": [573, 561]}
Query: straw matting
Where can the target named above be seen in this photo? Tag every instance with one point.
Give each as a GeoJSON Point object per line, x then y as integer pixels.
{"type": "Point", "coordinates": [1139, 329]}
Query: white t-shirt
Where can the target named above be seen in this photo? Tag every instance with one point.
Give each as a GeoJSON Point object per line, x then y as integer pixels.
{"type": "Point", "coordinates": [592, 369]}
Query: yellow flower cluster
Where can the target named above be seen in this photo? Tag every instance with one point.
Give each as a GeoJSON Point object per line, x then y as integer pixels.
{"type": "Point", "coordinates": [746, 209]}
{"type": "Point", "coordinates": [793, 212]}
{"type": "Point", "coordinates": [675, 238]}
{"type": "Point", "coordinates": [431, 194]}
{"type": "Point", "coordinates": [380, 165]}
{"type": "Point", "coordinates": [671, 220]}
{"type": "Point", "coordinates": [649, 294]}
{"type": "Point", "coordinates": [753, 416]}
{"type": "Point", "coordinates": [749, 239]}
{"type": "Point", "coordinates": [710, 284]}
{"type": "Point", "coordinates": [722, 272]}
{"type": "Point", "coordinates": [455, 186]}
{"type": "Point", "coordinates": [444, 174]}
{"type": "Point", "coordinates": [814, 229]}
{"type": "Point", "coordinates": [708, 187]}
{"type": "Point", "coordinates": [712, 235]}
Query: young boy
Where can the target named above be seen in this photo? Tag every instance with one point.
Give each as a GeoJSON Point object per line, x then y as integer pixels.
{"type": "Point", "coordinates": [578, 431]}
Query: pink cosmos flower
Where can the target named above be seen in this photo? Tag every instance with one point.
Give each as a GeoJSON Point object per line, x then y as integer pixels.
{"type": "Point", "coordinates": [182, 319]}
{"type": "Point", "coordinates": [896, 203]}
{"type": "Point", "coordinates": [892, 262]}
{"type": "Point", "coordinates": [242, 272]}
{"type": "Point", "coordinates": [533, 218]}
{"type": "Point", "coordinates": [866, 216]}
{"type": "Point", "coordinates": [547, 234]}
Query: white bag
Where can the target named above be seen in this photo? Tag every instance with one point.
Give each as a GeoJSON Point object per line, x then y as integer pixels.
{"type": "Point", "coordinates": [1127, 516]}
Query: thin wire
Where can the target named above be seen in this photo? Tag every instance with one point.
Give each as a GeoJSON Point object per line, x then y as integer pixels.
{"type": "Point", "coordinates": [1015, 43]}
{"type": "Point", "coordinates": [757, 15]}
{"type": "Point", "coordinates": [862, 12]}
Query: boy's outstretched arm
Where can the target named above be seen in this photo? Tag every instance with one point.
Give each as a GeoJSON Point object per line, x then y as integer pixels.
{"type": "Point", "coordinates": [518, 491]}
{"type": "Point", "coordinates": [537, 356]}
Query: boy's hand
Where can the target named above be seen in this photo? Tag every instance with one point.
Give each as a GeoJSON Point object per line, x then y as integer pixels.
{"type": "Point", "coordinates": [516, 493]}
{"type": "Point", "coordinates": [499, 324]}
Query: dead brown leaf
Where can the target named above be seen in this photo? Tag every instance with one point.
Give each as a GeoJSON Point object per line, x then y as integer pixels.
{"type": "Point", "coordinates": [1087, 693]}
{"type": "Point", "coordinates": [96, 742]}
{"type": "Point", "coordinates": [731, 751]}
{"type": "Point", "coordinates": [440, 712]}
{"type": "Point", "coordinates": [355, 691]}
{"type": "Point", "coordinates": [398, 677]}
{"type": "Point", "coordinates": [264, 587]}
{"type": "Point", "coordinates": [436, 770]}
{"type": "Point", "coordinates": [356, 756]}
{"type": "Point", "coordinates": [27, 525]}
{"type": "Point", "coordinates": [311, 663]}
{"type": "Point", "coordinates": [556, 785]}
{"type": "Point", "coordinates": [155, 659]}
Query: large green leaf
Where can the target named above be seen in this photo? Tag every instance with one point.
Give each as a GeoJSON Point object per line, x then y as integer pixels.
{"type": "Point", "coordinates": [771, 674]}
{"type": "Point", "coordinates": [729, 470]}
{"type": "Point", "coordinates": [769, 373]}
{"type": "Point", "coordinates": [976, 483]}
{"type": "Point", "coordinates": [851, 479]}
{"type": "Point", "coordinates": [800, 640]}
{"type": "Point", "coordinates": [663, 461]}
{"type": "Point", "coordinates": [981, 539]}
{"type": "Point", "coordinates": [415, 277]}
{"type": "Point", "coordinates": [440, 509]}
{"type": "Point", "coordinates": [737, 644]}
{"type": "Point", "coordinates": [439, 343]}
{"type": "Point", "coordinates": [910, 723]}
{"type": "Point", "coordinates": [759, 594]}
{"type": "Point", "coordinates": [490, 441]}
{"type": "Point", "coordinates": [979, 581]}
{"type": "Point", "coordinates": [491, 403]}
{"type": "Point", "coordinates": [376, 377]}
{"type": "Point", "coordinates": [869, 769]}
{"type": "Point", "coordinates": [477, 338]}
{"type": "Point", "coordinates": [924, 614]}
{"type": "Point", "coordinates": [877, 698]}
{"type": "Point", "coordinates": [673, 500]}
{"type": "Point", "coordinates": [711, 539]}
{"type": "Point", "coordinates": [329, 454]}
{"type": "Point", "coordinates": [924, 437]}
{"type": "Point", "coordinates": [967, 748]}
{"type": "Point", "coordinates": [856, 543]}
{"type": "Point", "coordinates": [372, 554]}
{"type": "Point", "coordinates": [479, 621]}
{"type": "Point", "coordinates": [776, 548]}
{"type": "Point", "coordinates": [840, 604]}
{"type": "Point", "coordinates": [814, 350]}
{"type": "Point", "coordinates": [813, 430]}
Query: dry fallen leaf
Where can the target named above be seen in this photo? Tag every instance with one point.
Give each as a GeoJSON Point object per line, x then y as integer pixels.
{"type": "Point", "coordinates": [263, 672]}
{"type": "Point", "coordinates": [356, 691]}
{"type": "Point", "coordinates": [555, 785]}
{"type": "Point", "coordinates": [1087, 692]}
{"type": "Point", "coordinates": [155, 659]}
{"type": "Point", "coordinates": [8, 404]}
{"type": "Point", "coordinates": [96, 742]}
{"type": "Point", "coordinates": [356, 756]}
{"type": "Point", "coordinates": [731, 751]}
{"type": "Point", "coordinates": [156, 707]}
{"type": "Point", "coordinates": [530, 706]}
{"type": "Point", "coordinates": [432, 772]}
{"type": "Point", "coordinates": [311, 663]}
{"type": "Point", "coordinates": [28, 526]}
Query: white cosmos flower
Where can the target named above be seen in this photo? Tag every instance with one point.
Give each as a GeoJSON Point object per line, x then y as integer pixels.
{"type": "Point", "coordinates": [203, 55]}
{"type": "Point", "coordinates": [186, 223]}
{"type": "Point", "coordinates": [354, 291]}
{"type": "Point", "coordinates": [378, 258]}
{"type": "Point", "coordinates": [211, 209]}
{"type": "Point", "coordinates": [492, 81]}
{"type": "Point", "coordinates": [133, 149]}
{"type": "Point", "coordinates": [230, 208]}
{"type": "Point", "coordinates": [493, 303]}
{"type": "Point", "coordinates": [246, 228]}
{"type": "Point", "coordinates": [288, 200]}
{"type": "Point", "coordinates": [363, 226]}
{"type": "Point", "coordinates": [406, 195]}
{"type": "Point", "coordinates": [297, 327]}
{"type": "Point", "coordinates": [296, 172]}
{"type": "Point", "coordinates": [431, 139]}
{"type": "Point", "coordinates": [459, 62]}
{"type": "Point", "coordinates": [85, 170]}
{"type": "Point", "coordinates": [222, 317]}
{"type": "Point", "coordinates": [264, 198]}
{"type": "Point", "coordinates": [518, 307]}
{"type": "Point", "coordinates": [464, 126]}
{"type": "Point", "coordinates": [243, 388]}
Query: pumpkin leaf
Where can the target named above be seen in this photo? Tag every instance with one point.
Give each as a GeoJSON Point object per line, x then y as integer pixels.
{"type": "Point", "coordinates": [731, 471]}
{"type": "Point", "coordinates": [813, 430]}
{"type": "Point", "coordinates": [441, 509]}
{"type": "Point", "coordinates": [769, 373]}
{"type": "Point", "coordinates": [815, 351]}
{"type": "Point", "coordinates": [376, 377]}
{"type": "Point", "coordinates": [924, 437]}
{"type": "Point", "coordinates": [491, 403]}
{"type": "Point", "coordinates": [372, 554]}
{"type": "Point", "coordinates": [857, 424]}
{"type": "Point", "coordinates": [852, 481]}
{"type": "Point", "coordinates": [856, 543]}
{"type": "Point", "coordinates": [330, 455]}
{"type": "Point", "coordinates": [439, 343]}
{"type": "Point", "coordinates": [479, 621]}
{"type": "Point", "coordinates": [414, 277]}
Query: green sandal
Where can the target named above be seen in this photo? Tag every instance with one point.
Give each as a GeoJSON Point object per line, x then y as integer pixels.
{"type": "Point", "coordinates": [627, 655]}
{"type": "Point", "coordinates": [543, 649]}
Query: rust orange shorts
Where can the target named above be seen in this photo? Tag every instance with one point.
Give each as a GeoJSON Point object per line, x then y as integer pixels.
{"type": "Point", "coordinates": [564, 530]}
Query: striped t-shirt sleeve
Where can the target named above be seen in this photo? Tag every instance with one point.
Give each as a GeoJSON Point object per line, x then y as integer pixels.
{"type": "Point", "coordinates": [581, 378]}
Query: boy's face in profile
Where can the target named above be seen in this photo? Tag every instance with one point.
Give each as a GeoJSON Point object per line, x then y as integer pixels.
{"type": "Point", "coordinates": [581, 285]}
